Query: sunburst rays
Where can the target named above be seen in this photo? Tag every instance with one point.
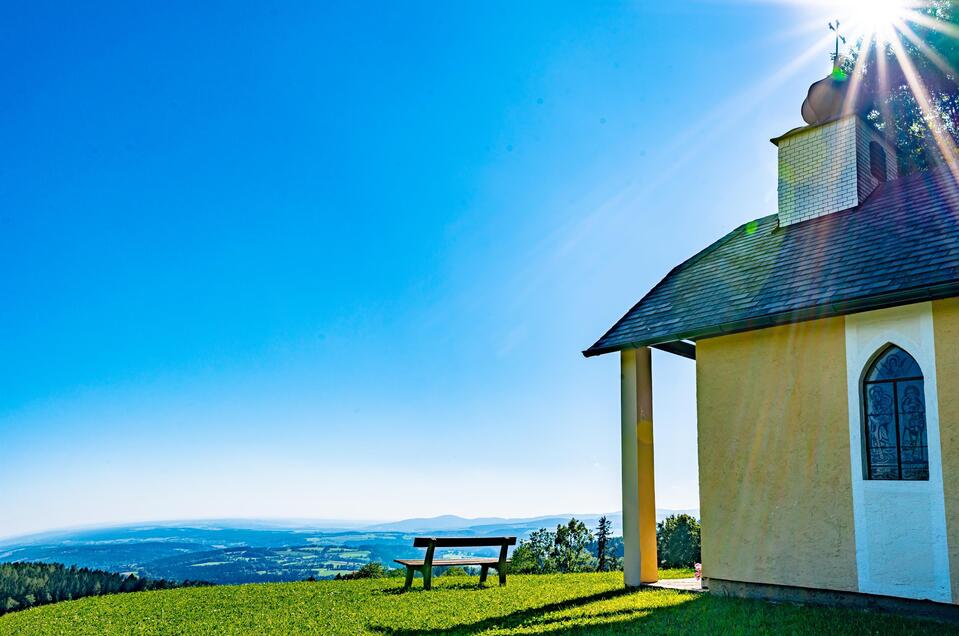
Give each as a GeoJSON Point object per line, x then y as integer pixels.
{"type": "Point", "coordinates": [881, 26]}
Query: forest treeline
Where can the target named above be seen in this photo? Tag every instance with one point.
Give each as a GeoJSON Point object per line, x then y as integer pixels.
{"type": "Point", "coordinates": [573, 547]}
{"type": "Point", "coordinates": [25, 585]}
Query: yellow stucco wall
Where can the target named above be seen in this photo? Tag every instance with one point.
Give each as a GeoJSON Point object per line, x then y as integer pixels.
{"type": "Point", "coordinates": [945, 319]}
{"type": "Point", "coordinates": [774, 476]}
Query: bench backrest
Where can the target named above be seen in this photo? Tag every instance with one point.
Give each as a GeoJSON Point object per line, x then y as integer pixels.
{"type": "Point", "coordinates": [462, 542]}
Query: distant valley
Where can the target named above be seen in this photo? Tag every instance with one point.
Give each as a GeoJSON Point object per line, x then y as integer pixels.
{"type": "Point", "coordinates": [249, 551]}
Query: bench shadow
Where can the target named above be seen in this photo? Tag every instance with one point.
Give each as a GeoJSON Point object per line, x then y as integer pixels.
{"type": "Point", "coordinates": [418, 589]}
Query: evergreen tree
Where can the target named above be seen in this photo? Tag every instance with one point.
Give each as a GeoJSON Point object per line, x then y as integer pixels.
{"type": "Point", "coordinates": [25, 585]}
{"type": "Point", "coordinates": [604, 531]}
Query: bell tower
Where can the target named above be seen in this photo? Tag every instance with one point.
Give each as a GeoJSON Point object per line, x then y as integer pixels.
{"type": "Point", "coordinates": [836, 160]}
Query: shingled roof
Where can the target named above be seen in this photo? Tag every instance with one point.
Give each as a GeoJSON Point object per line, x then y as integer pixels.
{"type": "Point", "coordinates": [900, 246]}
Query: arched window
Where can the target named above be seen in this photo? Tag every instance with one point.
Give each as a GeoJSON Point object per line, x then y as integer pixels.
{"type": "Point", "coordinates": [893, 400]}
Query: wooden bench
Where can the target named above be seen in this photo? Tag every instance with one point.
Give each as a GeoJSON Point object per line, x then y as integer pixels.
{"type": "Point", "coordinates": [425, 566]}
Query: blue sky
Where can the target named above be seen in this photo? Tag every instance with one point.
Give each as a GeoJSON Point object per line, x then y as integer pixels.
{"type": "Point", "coordinates": [296, 260]}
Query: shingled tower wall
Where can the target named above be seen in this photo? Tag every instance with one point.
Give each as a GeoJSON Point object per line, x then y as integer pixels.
{"type": "Point", "coordinates": [829, 167]}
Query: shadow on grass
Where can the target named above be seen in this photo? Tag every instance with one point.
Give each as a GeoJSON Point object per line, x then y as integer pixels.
{"type": "Point", "coordinates": [533, 616]}
{"type": "Point", "coordinates": [695, 613]}
{"type": "Point", "coordinates": [416, 589]}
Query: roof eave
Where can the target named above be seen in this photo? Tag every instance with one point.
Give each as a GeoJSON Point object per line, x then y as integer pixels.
{"type": "Point", "coordinates": [827, 310]}
{"type": "Point", "coordinates": [798, 129]}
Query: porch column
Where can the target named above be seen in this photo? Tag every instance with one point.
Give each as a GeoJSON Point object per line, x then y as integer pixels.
{"type": "Point", "coordinates": [639, 496]}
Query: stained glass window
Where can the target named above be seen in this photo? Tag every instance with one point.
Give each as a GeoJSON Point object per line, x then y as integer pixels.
{"type": "Point", "coordinates": [895, 409]}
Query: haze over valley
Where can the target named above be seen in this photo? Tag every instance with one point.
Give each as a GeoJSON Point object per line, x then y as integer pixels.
{"type": "Point", "coordinates": [249, 551]}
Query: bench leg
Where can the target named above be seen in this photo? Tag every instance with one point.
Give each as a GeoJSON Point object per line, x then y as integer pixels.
{"type": "Point", "coordinates": [409, 578]}
{"type": "Point", "coordinates": [427, 577]}
{"type": "Point", "coordinates": [502, 564]}
{"type": "Point", "coordinates": [484, 570]}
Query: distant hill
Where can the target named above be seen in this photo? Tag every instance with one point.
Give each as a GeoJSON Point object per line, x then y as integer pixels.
{"type": "Point", "coordinates": [490, 525]}
{"type": "Point", "coordinates": [248, 551]}
{"type": "Point", "coordinates": [436, 524]}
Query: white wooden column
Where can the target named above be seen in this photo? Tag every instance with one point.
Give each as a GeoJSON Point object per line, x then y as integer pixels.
{"type": "Point", "coordinates": [639, 492]}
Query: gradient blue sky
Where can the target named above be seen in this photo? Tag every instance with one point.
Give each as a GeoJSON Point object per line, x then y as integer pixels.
{"type": "Point", "coordinates": [305, 260]}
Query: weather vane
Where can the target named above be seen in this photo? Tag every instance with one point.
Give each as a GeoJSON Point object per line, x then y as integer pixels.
{"type": "Point", "coordinates": [837, 71]}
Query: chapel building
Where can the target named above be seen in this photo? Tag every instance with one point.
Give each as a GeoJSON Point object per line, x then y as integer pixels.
{"type": "Point", "coordinates": [826, 345]}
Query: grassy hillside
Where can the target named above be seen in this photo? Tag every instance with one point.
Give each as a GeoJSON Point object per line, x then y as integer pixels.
{"type": "Point", "coordinates": [594, 603]}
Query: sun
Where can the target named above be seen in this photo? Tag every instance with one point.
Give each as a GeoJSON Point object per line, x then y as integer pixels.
{"type": "Point", "coordinates": [874, 19]}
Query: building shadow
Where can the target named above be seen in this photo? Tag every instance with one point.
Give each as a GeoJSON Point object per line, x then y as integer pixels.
{"type": "Point", "coordinates": [550, 618]}
{"type": "Point", "coordinates": [648, 611]}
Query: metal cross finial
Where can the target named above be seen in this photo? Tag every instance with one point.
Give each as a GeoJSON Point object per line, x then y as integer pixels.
{"type": "Point", "coordinates": [839, 36]}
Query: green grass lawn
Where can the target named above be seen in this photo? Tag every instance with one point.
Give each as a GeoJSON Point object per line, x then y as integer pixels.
{"type": "Point", "coordinates": [550, 604]}
{"type": "Point", "coordinates": [677, 573]}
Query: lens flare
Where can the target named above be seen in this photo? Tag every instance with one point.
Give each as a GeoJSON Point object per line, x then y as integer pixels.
{"type": "Point", "coordinates": [875, 19]}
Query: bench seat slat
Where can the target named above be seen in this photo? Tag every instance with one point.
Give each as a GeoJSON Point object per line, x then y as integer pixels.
{"type": "Point", "coordinates": [445, 562]}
